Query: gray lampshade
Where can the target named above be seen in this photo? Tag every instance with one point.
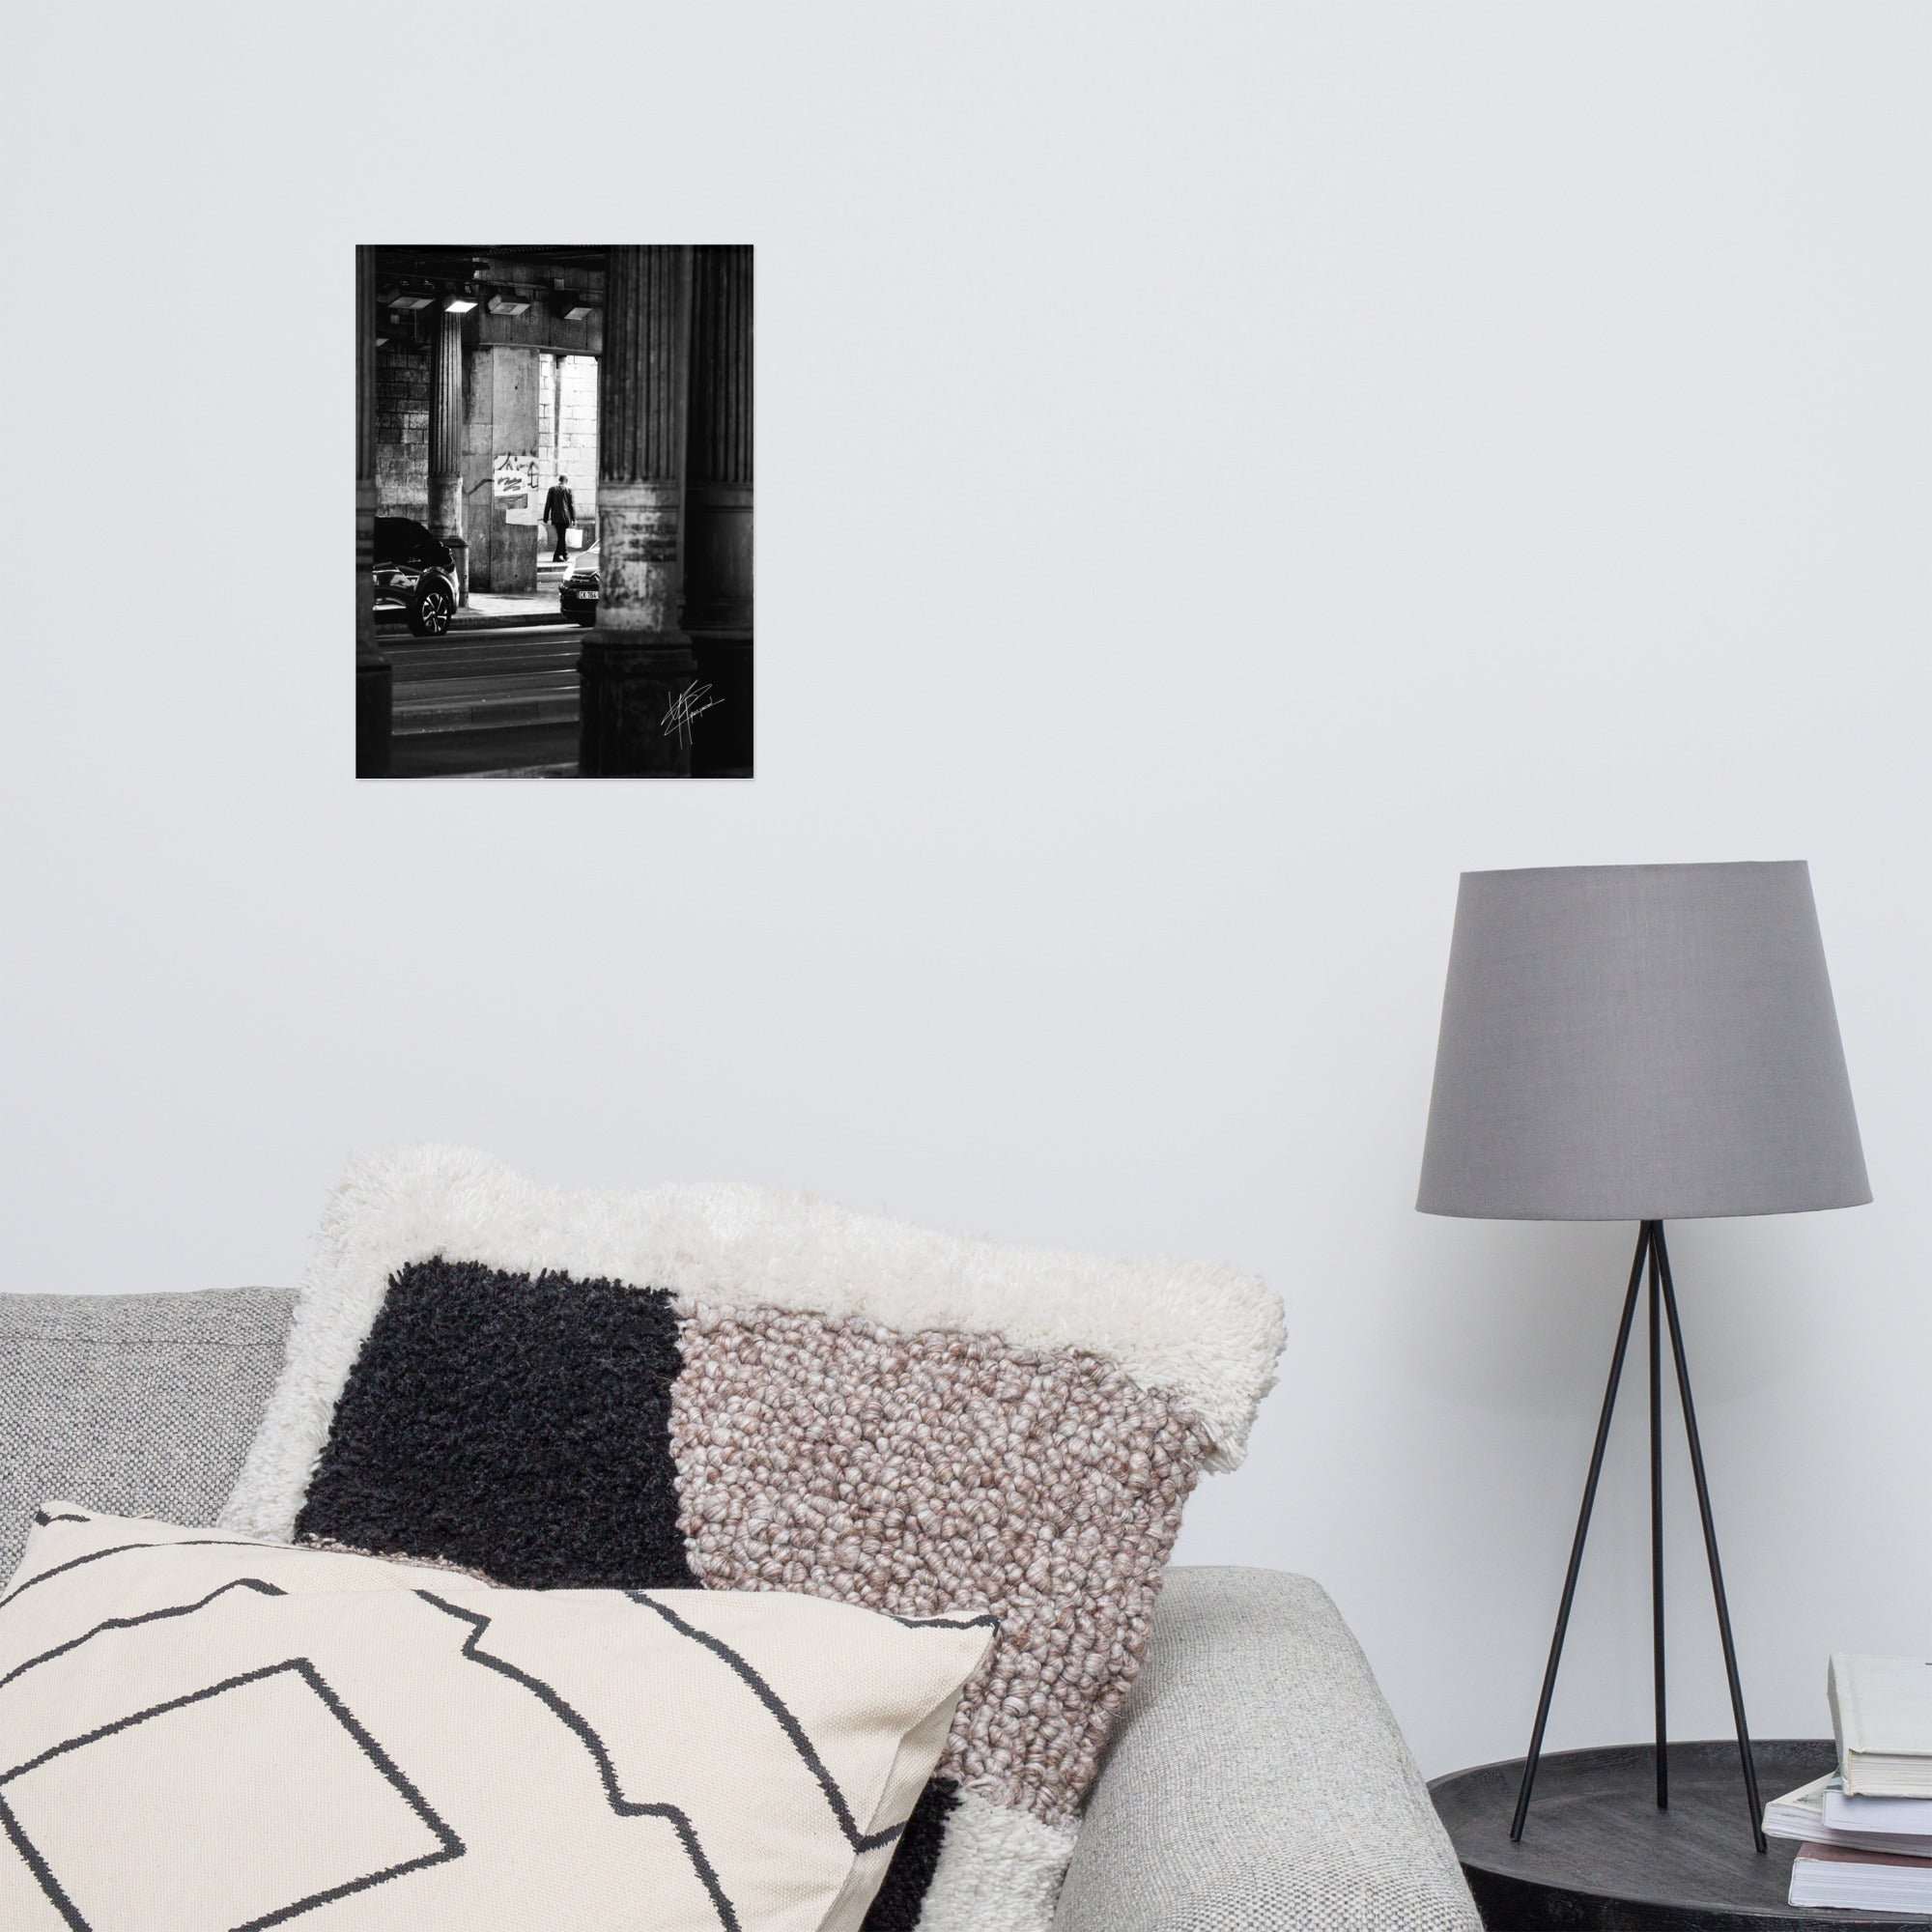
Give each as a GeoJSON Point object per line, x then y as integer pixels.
{"type": "Point", "coordinates": [1639, 1042]}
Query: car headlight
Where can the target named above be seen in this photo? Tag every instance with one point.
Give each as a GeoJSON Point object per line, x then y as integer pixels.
{"type": "Point", "coordinates": [404, 580]}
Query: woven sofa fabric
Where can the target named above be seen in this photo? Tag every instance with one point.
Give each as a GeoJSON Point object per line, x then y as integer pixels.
{"type": "Point", "coordinates": [1257, 1781]}
{"type": "Point", "coordinates": [174, 1700]}
{"type": "Point", "coordinates": [849, 1408]}
{"type": "Point", "coordinates": [140, 1405]}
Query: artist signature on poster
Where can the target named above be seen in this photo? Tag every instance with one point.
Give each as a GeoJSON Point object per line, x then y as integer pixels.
{"type": "Point", "coordinates": [689, 704]}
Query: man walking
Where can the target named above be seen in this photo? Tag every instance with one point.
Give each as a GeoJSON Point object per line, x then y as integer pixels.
{"type": "Point", "coordinates": [560, 512]}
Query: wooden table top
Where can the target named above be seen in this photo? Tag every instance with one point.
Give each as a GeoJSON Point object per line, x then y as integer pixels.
{"type": "Point", "coordinates": [1598, 1856]}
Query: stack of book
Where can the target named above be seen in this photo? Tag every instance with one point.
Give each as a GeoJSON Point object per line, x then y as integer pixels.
{"type": "Point", "coordinates": [1865, 1830]}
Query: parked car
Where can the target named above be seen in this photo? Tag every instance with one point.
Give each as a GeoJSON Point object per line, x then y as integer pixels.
{"type": "Point", "coordinates": [579, 596]}
{"type": "Point", "coordinates": [415, 572]}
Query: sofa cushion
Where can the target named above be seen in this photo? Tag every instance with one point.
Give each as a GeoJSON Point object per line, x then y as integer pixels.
{"type": "Point", "coordinates": [1258, 1779]}
{"type": "Point", "coordinates": [141, 1404]}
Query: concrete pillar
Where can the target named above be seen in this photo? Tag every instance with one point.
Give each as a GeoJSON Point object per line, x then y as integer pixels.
{"type": "Point", "coordinates": [556, 463]}
{"type": "Point", "coordinates": [718, 537]}
{"type": "Point", "coordinates": [500, 419]}
{"type": "Point", "coordinates": [718, 544]}
{"type": "Point", "coordinates": [445, 444]}
{"type": "Point", "coordinates": [638, 662]}
{"type": "Point", "coordinates": [546, 427]}
{"type": "Point", "coordinates": [373, 676]}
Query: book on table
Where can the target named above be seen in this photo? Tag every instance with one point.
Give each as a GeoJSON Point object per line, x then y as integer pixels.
{"type": "Point", "coordinates": [1882, 1719]}
{"type": "Point", "coordinates": [1907, 1820]}
{"type": "Point", "coordinates": [1820, 1813]}
{"type": "Point", "coordinates": [1859, 1881]}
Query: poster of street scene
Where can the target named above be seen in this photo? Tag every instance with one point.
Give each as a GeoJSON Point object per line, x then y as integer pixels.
{"type": "Point", "coordinates": [553, 512]}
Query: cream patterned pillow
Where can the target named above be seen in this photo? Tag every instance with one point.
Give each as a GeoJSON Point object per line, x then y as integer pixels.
{"type": "Point", "coordinates": [200, 1733]}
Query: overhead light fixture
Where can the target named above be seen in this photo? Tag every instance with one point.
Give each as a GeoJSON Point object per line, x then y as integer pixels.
{"type": "Point", "coordinates": [507, 305]}
{"type": "Point", "coordinates": [399, 299]}
{"type": "Point", "coordinates": [379, 340]}
{"type": "Point", "coordinates": [578, 312]}
{"type": "Point", "coordinates": [459, 304]}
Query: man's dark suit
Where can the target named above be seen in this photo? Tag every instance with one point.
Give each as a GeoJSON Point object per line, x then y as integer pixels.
{"type": "Point", "coordinates": [560, 512]}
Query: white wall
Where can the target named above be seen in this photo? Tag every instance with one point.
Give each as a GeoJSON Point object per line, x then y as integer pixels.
{"type": "Point", "coordinates": [1222, 471]}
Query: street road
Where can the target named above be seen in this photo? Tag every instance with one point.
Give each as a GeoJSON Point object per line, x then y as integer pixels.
{"type": "Point", "coordinates": [484, 702]}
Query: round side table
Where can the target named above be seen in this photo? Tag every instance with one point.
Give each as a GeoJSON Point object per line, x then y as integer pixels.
{"type": "Point", "coordinates": [1598, 1856]}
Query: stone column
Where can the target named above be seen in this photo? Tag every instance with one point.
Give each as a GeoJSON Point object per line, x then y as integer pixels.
{"type": "Point", "coordinates": [371, 669]}
{"type": "Point", "coordinates": [501, 420]}
{"type": "Point", "coordinates": [445, 445]}
{"type": "Point", "coordinates": [718, 538]}
{"type": "Point", "coordinates": [718, 545]}
{"type": "Point", "coordinates": [638, 662]}
{"type": "Point", "coordinates": [557, 461]}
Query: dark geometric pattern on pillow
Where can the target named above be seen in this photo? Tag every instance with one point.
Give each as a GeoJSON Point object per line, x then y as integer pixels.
{"type": "Point", "coordinates": [805, 1401]}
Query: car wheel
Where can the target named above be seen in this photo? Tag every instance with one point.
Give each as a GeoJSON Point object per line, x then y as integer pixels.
{"type": "Point", "coordinates": [429, 614]}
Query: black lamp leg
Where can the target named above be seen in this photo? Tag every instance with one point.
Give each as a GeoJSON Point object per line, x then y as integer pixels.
{"type": "Point", "coordinates": [1656, 1516]}
{"type": "Point", "coordinates": [1710, 1540]}
{"type": "Point", "coordinates": [1583, 1531]}
{"type": "Point", "coordinates": [1650, 1249]}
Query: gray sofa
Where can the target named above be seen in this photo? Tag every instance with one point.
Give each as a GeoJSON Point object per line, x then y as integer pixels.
{"type": "Point", "coordinates": [1256, 1778]}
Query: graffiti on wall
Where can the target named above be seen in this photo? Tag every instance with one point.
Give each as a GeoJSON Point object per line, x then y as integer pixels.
{"type": "Point", "coordinates": [515, 486]}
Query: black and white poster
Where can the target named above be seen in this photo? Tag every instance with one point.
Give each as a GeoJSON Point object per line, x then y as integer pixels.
{"type": "Point", "coordinates": [553, 511]}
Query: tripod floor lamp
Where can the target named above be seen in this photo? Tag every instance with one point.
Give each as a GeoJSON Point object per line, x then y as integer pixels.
{"type": "Point", "coordinates": [1641, 1043]}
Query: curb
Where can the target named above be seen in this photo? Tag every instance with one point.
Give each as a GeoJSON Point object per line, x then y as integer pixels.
{"type": "Point", "coordinates": [466, 620]}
